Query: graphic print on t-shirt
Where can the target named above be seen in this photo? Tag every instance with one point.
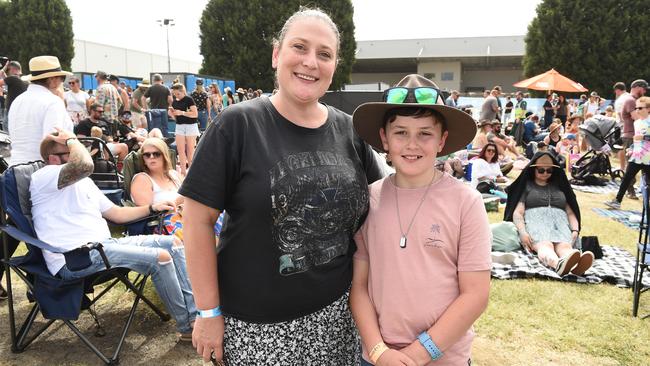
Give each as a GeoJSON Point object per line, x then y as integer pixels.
{"type": "Point", "coordinates": [314, 205]}
{"type": "Point", "coordinates": [433, 240]}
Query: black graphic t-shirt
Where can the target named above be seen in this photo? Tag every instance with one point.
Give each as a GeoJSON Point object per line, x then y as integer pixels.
{"type": "Point", "coordinates": [295, 197]}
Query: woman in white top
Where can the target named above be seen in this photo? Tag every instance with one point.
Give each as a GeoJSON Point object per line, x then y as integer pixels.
{"type": "Point", "coordinates": [486, 167]}
{"type": "Point", "coordinates": [77, 101]}
{"type": "Point", "coordinates": [158, 181]}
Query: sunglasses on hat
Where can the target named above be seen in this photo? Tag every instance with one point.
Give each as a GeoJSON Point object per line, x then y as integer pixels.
{"type": "Point", "coordinates": [422, 95]}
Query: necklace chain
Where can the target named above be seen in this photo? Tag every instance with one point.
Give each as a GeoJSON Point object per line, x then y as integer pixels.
{"type": "Point", "coordinates": [402, 241]}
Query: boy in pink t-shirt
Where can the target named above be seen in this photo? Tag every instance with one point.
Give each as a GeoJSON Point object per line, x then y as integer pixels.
{"type": "Point", "coordinates": [422, 266]}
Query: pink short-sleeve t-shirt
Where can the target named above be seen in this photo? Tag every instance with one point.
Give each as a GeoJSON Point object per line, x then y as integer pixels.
{"type": "Point", "coordinates": [412, 287]}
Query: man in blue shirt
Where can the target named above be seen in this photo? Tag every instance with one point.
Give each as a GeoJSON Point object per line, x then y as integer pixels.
{"type": "Point", "coordinates": [531, 130]}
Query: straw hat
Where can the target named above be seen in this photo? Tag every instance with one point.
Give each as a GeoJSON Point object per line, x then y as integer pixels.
{"type": "Point", "coordinates": [43, 67]}
{"type": "Point", "coordinates": [368, 118]}
{"type": "Point", "coordinates": [145, 83]}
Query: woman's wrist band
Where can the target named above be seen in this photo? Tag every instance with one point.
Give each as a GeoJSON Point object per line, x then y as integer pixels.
{"type": "Point", "coordinates": [377, 351]}
{"type": "Point", "coordinates": [211, 313]}
{"type": "Point", "coordinates": [151, 210]}
{"type": "Point", "coordinates": [427, 343]}
{"type": "Point", "coordinates": [574, 230]}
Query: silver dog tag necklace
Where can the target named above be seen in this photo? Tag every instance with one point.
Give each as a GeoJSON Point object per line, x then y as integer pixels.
{"type": "Point", "coordinates": [402, 240]}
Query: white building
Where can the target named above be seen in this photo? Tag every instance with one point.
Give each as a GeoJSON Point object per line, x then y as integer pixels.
{"type": "Point", "coordinates": [466, 64]}
{"type": "Point", "coordinates": [90, 57]}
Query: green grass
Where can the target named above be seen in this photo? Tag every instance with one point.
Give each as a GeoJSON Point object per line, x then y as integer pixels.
{"type": "Point", "coordinates": [545, 322]}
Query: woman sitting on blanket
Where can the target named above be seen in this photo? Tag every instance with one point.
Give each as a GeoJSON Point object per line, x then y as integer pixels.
{"type": "Point", "coordinates": [544, 208]}
{"type": "Point", "coordinates": [486, 171]}
{"type": "Point", "coordinates": [159, 182]}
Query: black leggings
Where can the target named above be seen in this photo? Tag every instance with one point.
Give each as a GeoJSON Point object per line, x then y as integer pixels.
{"type": "Point", "coordinates": [628, 178]}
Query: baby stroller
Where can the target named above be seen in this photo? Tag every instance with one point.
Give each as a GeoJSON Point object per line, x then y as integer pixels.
{"type": "Point", "coordinates": [601, 133]}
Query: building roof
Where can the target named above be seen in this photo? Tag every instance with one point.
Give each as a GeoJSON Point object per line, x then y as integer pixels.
{"type": "Point", "coordinates": [441, 48]}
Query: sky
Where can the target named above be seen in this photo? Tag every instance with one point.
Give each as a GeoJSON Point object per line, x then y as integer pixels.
{"type": "Point", "coordinates": [132, 23]}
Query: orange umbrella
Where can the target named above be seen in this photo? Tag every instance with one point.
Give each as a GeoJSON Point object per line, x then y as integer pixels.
{"type": "Point", "coordinates": [551, 80]}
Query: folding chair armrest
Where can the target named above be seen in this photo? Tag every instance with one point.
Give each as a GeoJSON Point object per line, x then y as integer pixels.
{"type": "Point", "coordinates": [22, 236]}
{"type": "Point", "coordinates": [100, 248]}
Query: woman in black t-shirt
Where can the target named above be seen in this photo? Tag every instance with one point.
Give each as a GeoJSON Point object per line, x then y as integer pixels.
{"type": "Point", "coordinates": [293, 177]}
{"type": "Point", "coordinates": [184, 111]}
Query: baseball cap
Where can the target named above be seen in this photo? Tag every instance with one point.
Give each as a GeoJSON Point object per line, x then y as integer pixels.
{"type": "Point", "coordinates": [639, 83]}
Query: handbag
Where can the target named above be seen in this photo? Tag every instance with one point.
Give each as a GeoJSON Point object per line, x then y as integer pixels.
{"type": "Point", "coordinates": [591, 244]}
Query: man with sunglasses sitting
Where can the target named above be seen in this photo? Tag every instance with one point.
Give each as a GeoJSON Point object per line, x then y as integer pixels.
{"type": "Point", "coordinates": [95, 120]}
{"type": "Point", "coordinates": [69, 211]}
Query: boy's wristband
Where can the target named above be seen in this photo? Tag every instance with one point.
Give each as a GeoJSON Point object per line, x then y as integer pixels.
{"type": "Point", "coordinates": [377, 351]}
{"type": "Point", "coordinates": [427, 343]}
{"type": "Point", "coordinates": [211, 313]}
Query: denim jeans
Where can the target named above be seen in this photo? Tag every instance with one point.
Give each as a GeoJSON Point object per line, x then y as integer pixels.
{"type": "Point", "coordinates": [157, 118]}
{"type": "Point", "coordinates": [140, 253]}
{"type": "Point", "coordinates": [203, 119]}
{"type": "Point", "coordinates": [364, 362]}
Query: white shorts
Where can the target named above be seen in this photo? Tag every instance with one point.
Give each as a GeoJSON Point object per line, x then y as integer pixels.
{"type": "Point", "coordinates": [187, 130]}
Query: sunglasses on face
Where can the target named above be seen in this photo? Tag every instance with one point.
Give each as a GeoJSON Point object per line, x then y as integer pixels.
{"type": "Point", "coordinates": [423, 95]}
{"type": "Point", "coordinates": [71, 82]}
{"type": "Point", "coordinates": [149, 155]}
{"type": "Point", "coordinates": [639, 108]}
{"type": "Point", "coordinates": [544, 170]}
{"type": "Point", "coordinates": [490, 150]}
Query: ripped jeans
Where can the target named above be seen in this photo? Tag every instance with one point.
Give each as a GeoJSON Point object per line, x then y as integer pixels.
{"type": "Point", "coordinates": [140, 254]}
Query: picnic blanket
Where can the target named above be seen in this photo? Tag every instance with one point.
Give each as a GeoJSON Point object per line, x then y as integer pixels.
{"type": "Point", "coordinates": [622, 216]}
{"type": "Point", "coordinates": [609, 187]}
{"type": "Point", "coordinates": [616, 267]}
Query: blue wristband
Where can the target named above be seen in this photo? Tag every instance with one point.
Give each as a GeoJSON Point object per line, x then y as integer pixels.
{"type": "Point", "coordinates": [427, 343]}
{"type": "Point", "coordinates": [212, 313]}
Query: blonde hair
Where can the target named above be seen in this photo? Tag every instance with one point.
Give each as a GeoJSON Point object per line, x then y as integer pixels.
{"type": "Point", "coordinates": [96, 132]}
{"type": "Point", "coordinates": [161, 146]}
{"type": "Point", "coordinates": [306, 12]}
{"type": "Point", "coordinates": [644, 100]}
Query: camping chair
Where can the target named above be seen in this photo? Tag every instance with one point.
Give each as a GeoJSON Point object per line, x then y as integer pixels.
{"type": "Point", "coordinates": [130, 168]}
{"type": "Point", "coordinates": [106, 174]}
{"type": "Point", "coordinates": [55, 298]}
{"type": "Point", "coordinates": [642, 255]}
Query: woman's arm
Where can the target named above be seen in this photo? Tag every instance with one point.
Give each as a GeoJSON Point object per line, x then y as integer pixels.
{"type": "Point", "coordinates": [142, 190]}
{"type": "Point", "coordinates": [201, 258]}
{"type": "Point", "coordinates": [520, 223]}
{"type": "Point", "coordinates": [573, 222]}
{"type": "Point", "coordinates": [459, 316]}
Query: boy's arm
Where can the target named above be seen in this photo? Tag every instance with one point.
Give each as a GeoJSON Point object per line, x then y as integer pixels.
{"type": "Point", "coordinates": [459, 316]}
{"type": "Point", "coordinates": [362, 309]}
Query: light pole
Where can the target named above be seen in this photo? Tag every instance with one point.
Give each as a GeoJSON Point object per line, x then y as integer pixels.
{"type": "Point", "coordinates": [167, 23]}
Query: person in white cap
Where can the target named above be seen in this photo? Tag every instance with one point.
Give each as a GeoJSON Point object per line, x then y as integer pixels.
{"type": "Point", "coordinates": [37, 112]}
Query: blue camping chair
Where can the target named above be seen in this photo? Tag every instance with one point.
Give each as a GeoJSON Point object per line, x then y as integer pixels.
{"type": "Point", "coordinates": [106, 174]}
{"type": "Point", "coordinates": [55, 298]}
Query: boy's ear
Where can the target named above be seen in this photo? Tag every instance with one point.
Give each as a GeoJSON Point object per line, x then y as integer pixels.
{"type": "Point", "coordinates": [384, 140]}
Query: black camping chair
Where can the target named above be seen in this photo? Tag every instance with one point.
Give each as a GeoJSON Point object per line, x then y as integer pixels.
{"type": "Point", "coordinates": [55, 298]}
{"type": "Point", "coordinates": [106, 174]}
{"type": "Point", "coordinates": [642, 256]}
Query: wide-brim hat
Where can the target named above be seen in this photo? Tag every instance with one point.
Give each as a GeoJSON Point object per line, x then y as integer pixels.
{"type": "Point", "coordinates": [43, 67]}
{"type": "Point", "coordinates": [547, 161]}
{"type": "Point", "coordinates": [485, 122]}
{"type": "Point", "coordinates": [145, 83]}
{"type": "Point", "coordinates": [368, 118]}
{"type": "Point", "coordinates": [554, 126]}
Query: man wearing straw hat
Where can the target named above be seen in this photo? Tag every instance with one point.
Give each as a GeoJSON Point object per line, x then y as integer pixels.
{"type": "Point", "coordinates": [35, 113]}
{"type": "Point", "coordinates": [138, 105]}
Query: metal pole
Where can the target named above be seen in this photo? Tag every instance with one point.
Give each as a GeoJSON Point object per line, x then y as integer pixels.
{"type": "Point", "coordinates": [169, 62]}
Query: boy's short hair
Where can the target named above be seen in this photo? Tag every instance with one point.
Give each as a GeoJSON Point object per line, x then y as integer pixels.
{"type": "Point", "coordinates": [96, 132]}
{"type": "Point", "coordinates": [416, 112]}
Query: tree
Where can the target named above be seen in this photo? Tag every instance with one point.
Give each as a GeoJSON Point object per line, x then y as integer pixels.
{"type": "Point", "coordinates": [37, 27]}
{"type": "Point", "coordinates": [236, 38]}
{"type": "Point", "coordinates": [594, 42]}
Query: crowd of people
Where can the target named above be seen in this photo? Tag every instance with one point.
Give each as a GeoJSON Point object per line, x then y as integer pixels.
{"type": "Point", "coordinates": [307, 202]}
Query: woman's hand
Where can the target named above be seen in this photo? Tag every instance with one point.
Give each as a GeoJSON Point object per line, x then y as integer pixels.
{"type": "Point", "coordinates": [163, 206]}
{"type": "Point", "coordinates": [527, 242]}
{"type": "Point", "coordinates": [207, 337]}
{"type": "Point", "coordinates": [178, 112]}
{"type": "Point", "coordinates": [394, 357]}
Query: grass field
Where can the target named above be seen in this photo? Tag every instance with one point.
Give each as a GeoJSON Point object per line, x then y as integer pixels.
{"type": "Point", "coordinates": [528, 322]}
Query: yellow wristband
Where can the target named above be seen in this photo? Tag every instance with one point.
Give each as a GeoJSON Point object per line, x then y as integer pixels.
{"type": "Point", "coordinates": [377, 351]}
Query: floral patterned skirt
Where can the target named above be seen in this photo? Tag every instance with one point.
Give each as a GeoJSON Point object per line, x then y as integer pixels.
{"type": "Point", "coordinates": [547, 224]}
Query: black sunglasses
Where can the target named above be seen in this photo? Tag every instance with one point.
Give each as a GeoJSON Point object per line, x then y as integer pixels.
{"type": "Point", "coordinates": [155, 154]}
{"type": "Point", "coordinates": [490, 150]}
{"type": "Point", "coordinates": [639, 108]}
{"type": "Point", "coordinates": [544, 170]}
